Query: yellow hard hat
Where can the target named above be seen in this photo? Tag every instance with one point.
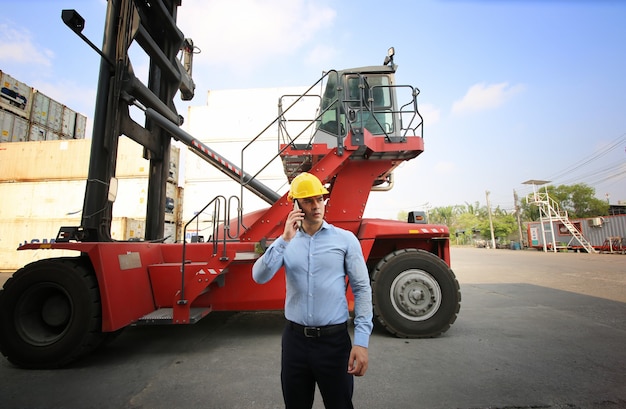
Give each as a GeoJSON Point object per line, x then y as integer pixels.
{"type": "Point", "coordinates": [306, 185]}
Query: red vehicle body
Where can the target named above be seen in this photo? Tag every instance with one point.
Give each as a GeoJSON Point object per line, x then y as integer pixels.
{"type": "Point", "coordinates": [55, 311]}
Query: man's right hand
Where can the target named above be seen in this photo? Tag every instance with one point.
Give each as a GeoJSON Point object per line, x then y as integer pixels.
{"type": "Point", "coordinates": [292, 224]}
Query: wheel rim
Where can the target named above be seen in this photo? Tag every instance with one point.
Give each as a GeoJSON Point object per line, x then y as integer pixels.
{"type": "Point", "coordinates": [43, 314]}
{"type": "Point", "coordinates": [415, 295]}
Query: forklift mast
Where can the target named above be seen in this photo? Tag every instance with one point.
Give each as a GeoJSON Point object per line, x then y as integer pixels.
{"type": "Point", "coordinates": [152, 25]}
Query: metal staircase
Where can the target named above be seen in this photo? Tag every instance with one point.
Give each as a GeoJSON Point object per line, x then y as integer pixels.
{"type": "Point", "coordinates": [549, 209]}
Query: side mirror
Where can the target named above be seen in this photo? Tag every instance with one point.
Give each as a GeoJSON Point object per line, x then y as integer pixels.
{"type": "Point", "coordinates": [389, 58]}
{"type": "Point", "coordinates": [112, 190]}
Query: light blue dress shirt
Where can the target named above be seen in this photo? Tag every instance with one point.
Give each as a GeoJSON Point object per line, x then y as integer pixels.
{"type": "Point", "coordinates": [315, 268]}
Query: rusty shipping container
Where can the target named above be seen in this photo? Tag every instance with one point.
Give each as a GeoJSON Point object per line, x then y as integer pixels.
{"type": "Point", "coordinates": [601, 232]}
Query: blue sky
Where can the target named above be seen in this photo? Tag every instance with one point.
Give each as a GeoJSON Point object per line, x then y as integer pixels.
{"type": "Point", "coordinates": [510, 90]}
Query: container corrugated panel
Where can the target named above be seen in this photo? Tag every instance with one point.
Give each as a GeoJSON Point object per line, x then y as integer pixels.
{"type": "Point", "coordinates": [132, 196]}
{"type": "Point", "coordinates": [596, 234]}
{"type": "Point", "coordinates": [45, 160]}
{"type": "Point", "coordinates": [170, 232]}
{"type": "Point", "coordinates": [55, 116]}
{"type": "Point", "coordinates": [133, 229]}
{"type": "Point", "coordinates": [81, 126]}
{"type": "Point", "coordinates": [6, 125]}
{"type": "Point", "coordinates": [20, 130]}
{"type": "Point", "coordinates": [37, 133]}
{"type": "Point", "coordinates": [174, 164]}
{"type": "Point", "coordinates": [609, 226]}
{"type": "Point", "coordinates": [69, 123]}
{"type": "Point", "coordinates": [36, 230]}
{"type": "Point", "coordinates": [130, 161]}
{"type": "Point", "coordinates": [172, 203]}
{"type": "Point", "coordinates": [41, 105]}
{"type": "Point", "coordinates": [18, 231]}
{"type": "Point", "coordinates": [65, 159]}
{"type": "Point", "coordinates": [59, 198]}
{"type": "Point", "coordinates": [15, 96]}
{"type": "Point", "coordinates": [52, 136]}
{"type": "Point", "coordinates": [50, 199]}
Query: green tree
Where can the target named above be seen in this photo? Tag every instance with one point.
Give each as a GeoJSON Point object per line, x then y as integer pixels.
{"type": "Point", "coordinates": [443, 215]}
{"type": "Point", "coordinates": [403, 215]}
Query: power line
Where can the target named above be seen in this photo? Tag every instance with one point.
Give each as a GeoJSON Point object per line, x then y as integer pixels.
{"type": "Point", "coordinates": [594, 156]}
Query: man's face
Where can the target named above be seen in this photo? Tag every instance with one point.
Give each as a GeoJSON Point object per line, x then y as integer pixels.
{"type": "Point", "coordinates": [313, 208]}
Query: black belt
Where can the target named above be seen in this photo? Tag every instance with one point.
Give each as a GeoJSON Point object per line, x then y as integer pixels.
{"type": "Point", "coordinates": [316, 332]}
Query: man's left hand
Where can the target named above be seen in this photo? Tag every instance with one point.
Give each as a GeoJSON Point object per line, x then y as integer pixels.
{"type": "Point", "coordinates": [357, 364]}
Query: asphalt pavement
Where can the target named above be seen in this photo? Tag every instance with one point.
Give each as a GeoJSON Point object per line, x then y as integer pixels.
{"type": "Point", "coordinates": [536, 330]}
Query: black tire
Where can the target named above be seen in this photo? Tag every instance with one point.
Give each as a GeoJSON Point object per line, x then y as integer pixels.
{"type": "Point", "coordinates": [50, 313]}
{"type": "Point", "coordinates": [415, 294]}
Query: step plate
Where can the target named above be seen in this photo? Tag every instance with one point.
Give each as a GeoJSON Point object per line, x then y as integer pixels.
{"type": "Point", "coordinates": [164, 316]}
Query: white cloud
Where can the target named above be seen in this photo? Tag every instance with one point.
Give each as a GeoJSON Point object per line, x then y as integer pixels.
{"type": "Point", "coordinates": [16, 46]}
{"type": "Point", "coordinates": [482, 97]}
{"type": "Point", "coordinates": [244, 34]}
{"type": "Point", "coordinates": [430, 113]}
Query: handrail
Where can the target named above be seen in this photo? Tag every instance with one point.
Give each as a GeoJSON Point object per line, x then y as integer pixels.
{"type": "Point", "coordinates": [243, 182]}
{"type": "Point", "coordinates": [216, 209]}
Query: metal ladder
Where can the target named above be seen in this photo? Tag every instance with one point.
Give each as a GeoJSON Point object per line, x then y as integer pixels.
{"type": "Point", "coordinates": [551, 210]}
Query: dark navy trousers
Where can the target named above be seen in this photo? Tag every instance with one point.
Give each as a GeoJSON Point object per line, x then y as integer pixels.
{"type": "Point", "coordinates": [307, 361]}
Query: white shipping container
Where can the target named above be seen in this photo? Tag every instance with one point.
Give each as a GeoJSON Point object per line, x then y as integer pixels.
{"type": "Point", "coordinates": [35, 230]}
{"type": "Point", "coordinates": [171, 192]}
{"type": "Point", "coordinates": [55, 116]}
{"type": "Point", "coordinates": [173, 202]}
{"type": "Point", "coordinates": [44, 160]}
{"type": "Point", "coordinates": [81, 126]}
{"type": "Point", "coordinates": [52, 136]}
{"type": "Point", "coordinates": [170, 232]}
{"type": "Point", "coordinates": [69, 123]}
{"type": "Point", "coordinates": [61, 198]}
{"type": "Point", "coordinates": [128, 229]}
{"type": "Point", "coordinates": [132, 197]}
{"type": "Point", "coordinates": [15, 96]}
{"type": "Point", "coordinates": [6, 125]}
{"type": "Point", "coordinates": [18, 231]}
{"type": "Point", "coordinates": [37, 133]}
{"type": "Point", "coordinates": [50, 199]}
{"type": "Point", "coordinates": [41, 105]}
{"type": "Point", "coordinates": [65, 159]}
{"type": "Point", "coordinates": [20, 130]}
{"type": "Point", "coordinates": [174, 164]}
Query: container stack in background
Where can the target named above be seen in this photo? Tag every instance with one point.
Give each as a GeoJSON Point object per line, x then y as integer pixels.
{"type": "Point", "coordinates": [44, 161]}
{"type": "Point", "coordinates": [29, 115]}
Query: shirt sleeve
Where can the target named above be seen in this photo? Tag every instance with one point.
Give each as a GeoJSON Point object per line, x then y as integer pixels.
{"type": "Point", "coordinates": [360, 284]}
{"type": "Point", "coordinates": [270, 262]}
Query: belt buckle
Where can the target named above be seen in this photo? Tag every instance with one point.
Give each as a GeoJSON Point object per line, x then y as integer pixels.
{"type": "Point", "coordinates": [311, 332]}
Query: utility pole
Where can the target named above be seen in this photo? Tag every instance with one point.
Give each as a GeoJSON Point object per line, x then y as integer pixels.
{"type": "Point", "coordinates": [518, 210]}
{"type": "Point", "coordinates": [493, 239]}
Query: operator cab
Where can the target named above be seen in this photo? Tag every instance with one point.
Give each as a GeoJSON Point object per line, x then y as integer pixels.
{"type": "Point", "coordinates": [357, 99]}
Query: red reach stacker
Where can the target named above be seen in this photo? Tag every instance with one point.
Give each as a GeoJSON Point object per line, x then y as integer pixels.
{"type": "Point", "coordinates": [55, 311]}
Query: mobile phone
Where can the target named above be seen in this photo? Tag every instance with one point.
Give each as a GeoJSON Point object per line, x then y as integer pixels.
{"type": "Point", "coordinates": [296, 206]}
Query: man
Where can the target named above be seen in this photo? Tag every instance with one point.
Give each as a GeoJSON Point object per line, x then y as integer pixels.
{"type": "Point", "coordinates": [316, 345]}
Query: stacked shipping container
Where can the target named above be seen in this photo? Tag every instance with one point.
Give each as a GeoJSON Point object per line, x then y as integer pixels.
{"type": "Point", "coordinates": [28, 115]}
{"type": "Point", "coordinates": [43, 187]}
